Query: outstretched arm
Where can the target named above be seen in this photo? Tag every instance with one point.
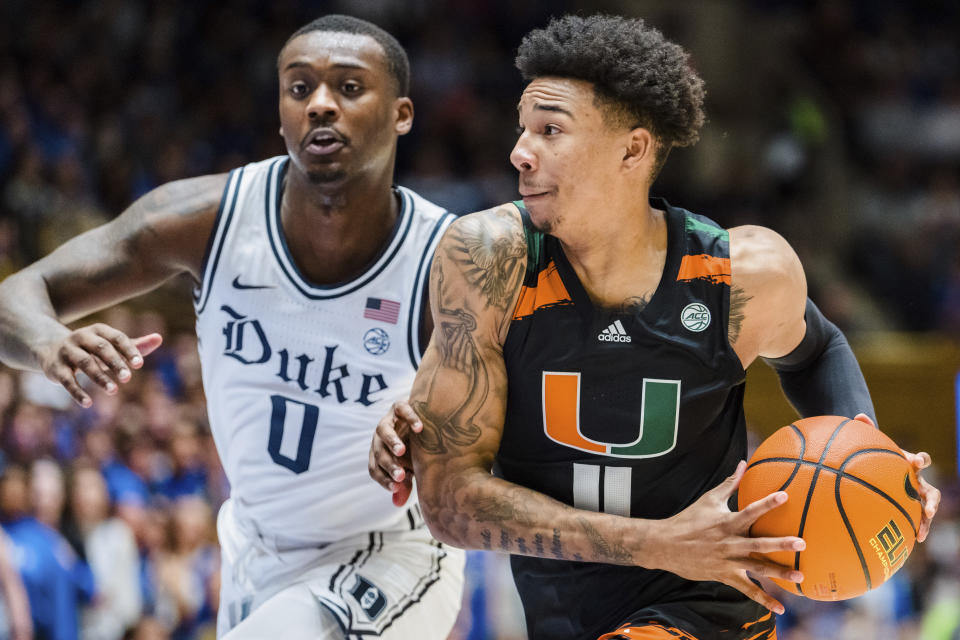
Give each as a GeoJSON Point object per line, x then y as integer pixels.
{"type": "Point", "coordinates": [160, 235]}
{"type": "Point", "coordinates": [771, 317]}
{"type": "Point", "coordinates": [460, 396]}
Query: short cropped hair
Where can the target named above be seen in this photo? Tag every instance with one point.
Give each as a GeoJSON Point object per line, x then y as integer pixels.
{"type": "Point", "coordinates": [645, 79]}
{"type": "Point", "coordinates": [396, 56]}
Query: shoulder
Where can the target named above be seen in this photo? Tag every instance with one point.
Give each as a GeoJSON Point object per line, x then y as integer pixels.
{"type": "Point", "coordinates": [768, 292]}
{"type": "Point", "coordinates": [501, 222]}
{"type": "Point", "coordinates": [177, 203]}
{"type": "Point", "coordinates": [760, 253]}
{"type": "Point", "coordinates": [173, 221]}
{"type": "Point", "coordinates": [487, 236]}
{"type": "Point", "coordinates": [189, 195]}
{"type": "Point", "coordinates": [487, 251]}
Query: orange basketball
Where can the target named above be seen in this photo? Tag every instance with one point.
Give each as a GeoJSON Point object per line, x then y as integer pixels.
{"type": "Point", "coordinates": [853, 499]}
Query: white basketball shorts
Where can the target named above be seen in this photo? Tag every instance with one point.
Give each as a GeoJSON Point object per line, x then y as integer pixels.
{"type": "Point", "coordinates": [395, 585]}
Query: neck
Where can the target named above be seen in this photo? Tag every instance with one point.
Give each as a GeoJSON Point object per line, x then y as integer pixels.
{"type": "Point", "coordinates": [335, 232]}
{"type": "Point", "coordinates": [619, 250]}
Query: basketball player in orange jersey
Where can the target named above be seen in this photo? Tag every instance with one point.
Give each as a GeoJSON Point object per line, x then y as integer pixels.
{"type": "Point", "coordinates": [309, 272]}
{"type": "Point", "coordinates": [581, 400]}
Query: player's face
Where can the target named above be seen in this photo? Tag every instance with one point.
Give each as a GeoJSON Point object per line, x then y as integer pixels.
{"type": "Point", "coordinates": [568, 155]}
{"type": "Point", "coordinates": [339, 112]}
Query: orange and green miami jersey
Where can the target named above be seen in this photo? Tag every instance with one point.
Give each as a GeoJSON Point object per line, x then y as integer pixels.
{"type": "Point", "coordinates": [635, 412]}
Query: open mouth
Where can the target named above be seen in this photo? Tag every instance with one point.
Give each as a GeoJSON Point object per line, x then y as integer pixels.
{"type": "Point", "coordinates": [324, 142]}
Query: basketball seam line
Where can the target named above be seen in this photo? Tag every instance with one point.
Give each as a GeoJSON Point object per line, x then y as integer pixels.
{"type": "Point", "coordinates": [796, 467]}
{"type": "Point", "coordinates": [793, 474]}
{"type": "Point", "coordinates": [853, 538]}
{"type": "Point", "coordinates": [876, 490]}
{"type": "Point", "coordinates": [813, 484]}
{"type": "Point", "coordinates": [849, 476]}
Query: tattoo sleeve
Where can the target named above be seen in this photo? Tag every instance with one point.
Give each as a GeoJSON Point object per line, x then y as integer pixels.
{"type": "Point", "coordinates": [460, 394]}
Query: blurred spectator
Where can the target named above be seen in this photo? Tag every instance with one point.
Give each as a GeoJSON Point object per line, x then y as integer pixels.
{"type": "Point", "coordinates": [15, 622]}
{"type": "Point", "coordinates": [188, 568]}
{"type": "Point", "coordinates": [111, 551]}
{"type": "Point", "coordinates": [188, 475]}
{"type": "Point", "coordinates": [56, 580]}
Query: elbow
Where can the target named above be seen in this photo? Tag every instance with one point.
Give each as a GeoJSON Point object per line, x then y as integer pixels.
{"type": "Point", "coordinates": [433, 510]}
{"type": "Point", "coordinates": [438, 496]}
{"type": "Point", "coordinates": [438, 528]}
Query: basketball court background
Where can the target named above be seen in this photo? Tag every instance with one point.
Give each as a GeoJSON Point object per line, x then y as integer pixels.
{"type": "Point", "coordinates": [835, 122]}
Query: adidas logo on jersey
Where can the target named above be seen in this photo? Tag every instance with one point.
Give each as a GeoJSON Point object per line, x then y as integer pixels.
{"type": "Point", "coordinates": [614, 333]}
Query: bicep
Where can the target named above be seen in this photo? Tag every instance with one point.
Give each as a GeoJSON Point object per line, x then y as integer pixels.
{"type": "Point", "coordinates": [460, 391]}
{"type": "Point", "coordinates": [160, 235]}
{"type": "Point", "coordinates": [460, 396]}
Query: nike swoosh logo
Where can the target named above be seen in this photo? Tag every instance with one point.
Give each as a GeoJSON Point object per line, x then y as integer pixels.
{"type": "Point", "coordinates": [238, 285]}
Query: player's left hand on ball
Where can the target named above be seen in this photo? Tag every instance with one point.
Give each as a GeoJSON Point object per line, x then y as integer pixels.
{"type": "Point", "coordinates": [708, 542]}
{"type": "Point", "coordinates": [389, 461]}
{"type": "Point", "coordinates": [929, 494]}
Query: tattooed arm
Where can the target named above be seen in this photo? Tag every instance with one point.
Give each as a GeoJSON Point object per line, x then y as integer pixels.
{"type": "Point", "coordinates": [460, 395]}
{"type": "Point", "coordinates": [160, 235]}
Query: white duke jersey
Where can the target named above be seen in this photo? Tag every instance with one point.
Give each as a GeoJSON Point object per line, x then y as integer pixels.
{"type": "Point", "coordinates": [298, 375]}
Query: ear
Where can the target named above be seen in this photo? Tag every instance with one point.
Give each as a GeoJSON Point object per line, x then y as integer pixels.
{"type": "Point", "coordinates": [640, 151]}
{"type": "Point", "coordinates": [403, 109]}
{"type": "Point", "coordinates": [281, 131]}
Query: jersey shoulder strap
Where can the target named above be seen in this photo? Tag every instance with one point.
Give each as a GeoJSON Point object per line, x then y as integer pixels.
{"type": "Point", "coordinates": [536, 241]}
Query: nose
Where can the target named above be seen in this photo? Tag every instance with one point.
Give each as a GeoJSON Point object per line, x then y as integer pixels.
{"type": "Point", "coordinates": [323, 104]}
{"type": "Point", "coordinates": [522, 157]}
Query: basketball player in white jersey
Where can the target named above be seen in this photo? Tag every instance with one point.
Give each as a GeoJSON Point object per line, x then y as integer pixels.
{"type": "Point", "coordinates": [310, 274]}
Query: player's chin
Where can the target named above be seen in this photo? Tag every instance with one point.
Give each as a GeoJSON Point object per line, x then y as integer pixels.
{"type": "Point", "coordinates": [541, 218]}
{"type": "Point", "coordinates": [326, 175]}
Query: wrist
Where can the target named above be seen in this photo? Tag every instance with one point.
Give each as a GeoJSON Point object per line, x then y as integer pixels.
{"type": "Point", "coordinates": [46, 346]}
{"type": "Point", "coordinates": [649, 539]}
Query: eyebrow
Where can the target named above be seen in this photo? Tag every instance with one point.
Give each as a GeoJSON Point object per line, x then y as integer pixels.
{"type": "Point", "coordinates": [296, 64]}
{"type": "Point", "coordinates": [551, 108]}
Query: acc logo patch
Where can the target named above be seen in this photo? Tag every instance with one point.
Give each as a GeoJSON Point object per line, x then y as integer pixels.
{"type": "Point", "coordinates": [695, 317]}
{"type": "Point", "coordinates": [376, 341]}
{"type": "Point", "coordinates": [370, 598]}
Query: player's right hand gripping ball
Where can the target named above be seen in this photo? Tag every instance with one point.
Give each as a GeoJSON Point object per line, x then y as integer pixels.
{"type": "Point", "coordinates": [853, 499]}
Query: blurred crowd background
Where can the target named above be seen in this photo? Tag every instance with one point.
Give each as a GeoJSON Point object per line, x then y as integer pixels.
{"type": "Point", "coordinates": [835, 122]}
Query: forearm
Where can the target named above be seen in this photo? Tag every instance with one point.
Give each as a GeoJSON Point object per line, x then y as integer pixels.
{"type": "Point", "coordinates": [475, 510]}
{"type": "Point", "coordinates": [27, 320]}
{"type": "Point", "coordinates": [821, 376]}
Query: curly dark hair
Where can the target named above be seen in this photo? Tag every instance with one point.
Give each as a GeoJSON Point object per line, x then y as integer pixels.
{"type": "Point", "coordinates": [396, 56]}
{"type": "Point", "coordinates": [645, 79]}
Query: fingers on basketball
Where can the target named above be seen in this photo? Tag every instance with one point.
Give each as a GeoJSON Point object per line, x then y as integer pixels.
{"type": "Point", "coordinates": [854, 499]}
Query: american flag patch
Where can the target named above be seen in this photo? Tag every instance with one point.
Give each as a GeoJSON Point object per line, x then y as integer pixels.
{"type": "Point", "coordinates": [382, 310]}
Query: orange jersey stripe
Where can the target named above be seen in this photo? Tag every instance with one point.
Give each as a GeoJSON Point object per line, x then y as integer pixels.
{"type": "Point", "coordinates": [704, 267]}
{"type": "Point", "coordinates": [655, 631]}
{"type": "Point", "coordinates": [648, 631]}
{"type": "Point", "coordinates": [761, 619]}
{"type": "Point", "coordinates": [548, 292]}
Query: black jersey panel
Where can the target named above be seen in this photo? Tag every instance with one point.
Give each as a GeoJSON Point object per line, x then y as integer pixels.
{"type": "Point", "coordinates": [634, 412]}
